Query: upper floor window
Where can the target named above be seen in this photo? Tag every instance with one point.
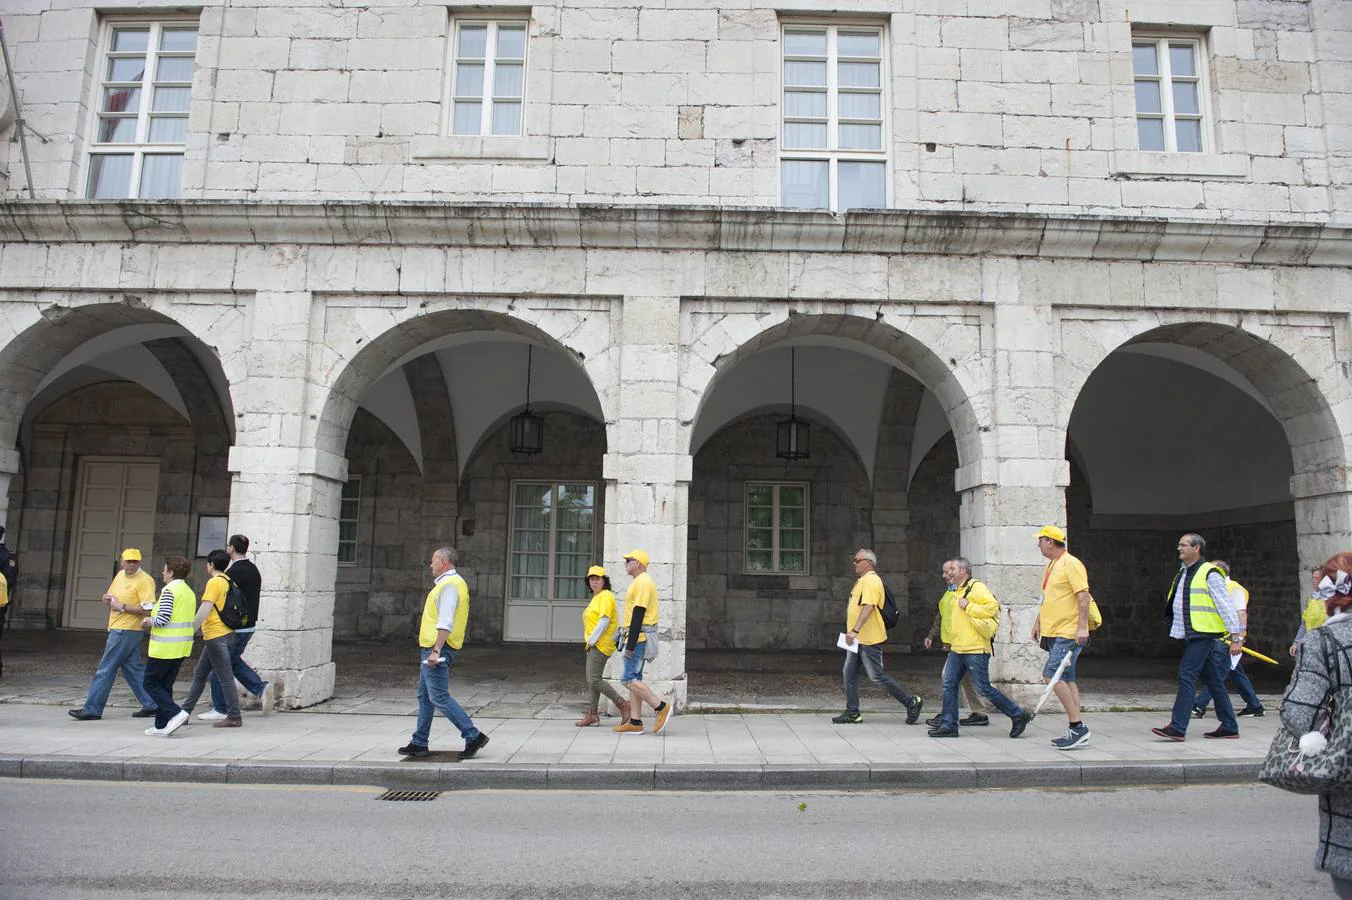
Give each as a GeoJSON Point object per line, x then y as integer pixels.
{"type": "Point", "coordinates": [833, 140]}
{"type": "Point", "coordinates": [488, 76]}
{"type": "Point", "coordinates": [143, 90]}
{"type": "Point", "coordinates": [1170, 93]}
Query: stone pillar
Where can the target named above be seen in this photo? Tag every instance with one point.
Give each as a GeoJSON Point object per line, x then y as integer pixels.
{"type": "Point", "coordinates": [9, 467]}
{"type": "Point", "coordinates": [1323, 506]}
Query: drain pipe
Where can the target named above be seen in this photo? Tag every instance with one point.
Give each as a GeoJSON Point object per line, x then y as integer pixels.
{"type": "Point", "coordinates": [18, 113]}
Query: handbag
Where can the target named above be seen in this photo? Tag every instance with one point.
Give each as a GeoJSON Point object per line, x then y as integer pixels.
{"type": "Point", "coordinates": [1328, 771]}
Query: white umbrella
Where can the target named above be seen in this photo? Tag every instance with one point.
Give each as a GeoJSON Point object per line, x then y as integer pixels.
{"type": "Point", "coordinates": [1047, 691]}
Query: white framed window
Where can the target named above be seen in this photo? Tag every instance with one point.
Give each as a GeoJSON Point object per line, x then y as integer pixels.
{"type": "Point", "coordinates": [833, 138]}
{"type": "Point", "coordinates": [776, 528]}
{"type": "Point", "coordinates": [488, 77]}
{"type": "Point", "coordinates": [552, 542]}
{"type": "Point", "coordinates": [349, 511]}
{"type": "Point", "coordinates": [1171, 93]}
{"type": "Point", "coordinates": [140, 109]}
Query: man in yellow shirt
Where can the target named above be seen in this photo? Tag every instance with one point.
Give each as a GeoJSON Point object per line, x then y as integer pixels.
{"type": "Point", "coordinates": [866, 633]}
{"type": "Point", "coordinates": [1062, 625]}
{"type": "Point", "coordinates": [640, 604]}
{"type": "Point", "coordinates": [130, 598]}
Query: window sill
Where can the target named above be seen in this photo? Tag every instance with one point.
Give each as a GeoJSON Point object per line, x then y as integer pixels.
{"type": "Point", "coordinates": [481, 147]}
{"type": "Point", "coordinates": [1181, 165]}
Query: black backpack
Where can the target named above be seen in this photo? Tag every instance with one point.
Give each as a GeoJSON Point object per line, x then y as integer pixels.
{"type": "Point", "coordinates": [891, 615]}
{"type": "Point", "coordinates": [234, 612]}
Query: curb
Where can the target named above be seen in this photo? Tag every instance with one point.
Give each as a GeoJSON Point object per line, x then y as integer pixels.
{"type": "Point", "coordinates": [660, 777]}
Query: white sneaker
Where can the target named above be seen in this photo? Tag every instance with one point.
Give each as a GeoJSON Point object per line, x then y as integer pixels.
{"type": "Point", "coordinates": [152, 731]}
{"type": "Point", "coordinates": [176, 722]}
{"type": "Point", "coordinates": [210, 716]}
{"type": "Point", "coordinates": [267, 699]}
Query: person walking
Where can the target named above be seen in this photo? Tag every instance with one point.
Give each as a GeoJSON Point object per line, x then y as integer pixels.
{"type": "Point", "coordinates": [445, 616]}
{"type": "Point", "coordinates": [640, 642]}
{"type": "Point", "coordinates": [9, 574]}
{"type": "Point", "coordinates": [1062, 628]}
{"type": "Point", "coordinates": [130, 598]}
{"type": "Point", "coordinates": [971, 617]}
{"type": "Point", "coordinates": [1201, 615]}
{"type": "Point", "coordinates": [979, 706]}
{"type": "Point", "coordinates": [216, 639]}
{"type": "Point", "coordinates": [242, 571]}
{"type": "Point", "coordinates": [170, 628]}
{"type": "Point", "coordinates": [1314, 614]}
{"type": "Point", "coordinates": [865, 632]}
{"type": "Point", "coordinates": [1322, 663]}
{"type": "Point", "coordinates": [1253, 706]}
{"type": "Point", "coordinates": [599, 621]}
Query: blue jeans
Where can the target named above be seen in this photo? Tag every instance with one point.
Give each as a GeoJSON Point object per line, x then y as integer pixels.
{"type": "Point", "coordinates": [1240, 678]}
{"type": "Point", "coordinates": [123, 651]}
{"type": "Point", "coordinates": [870, 657]}
{"type": "Point", "coordinates": [977, 666]}
{"type": "Point", "coordinates": [434, 696]}
{"type": "Point", "coordinates": [244, 672]}
{"type": "Point", "coordinates": [1210, 659]}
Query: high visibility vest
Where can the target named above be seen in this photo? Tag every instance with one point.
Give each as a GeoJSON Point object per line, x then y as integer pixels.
{"type": "Point", "coordinates": [1314, 614]}
{"type": "Point", "coordinates": [427, 632]}
{"type": "Point", "coordinates": [174, 640]}
{"type": "Point", "coordinates": [1203, 616]}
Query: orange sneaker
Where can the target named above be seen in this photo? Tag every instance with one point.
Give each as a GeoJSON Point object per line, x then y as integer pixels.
{"type": "Point", "coordinates": [627, 728]}
{"type": "Point", "coordinates": [662, 715]}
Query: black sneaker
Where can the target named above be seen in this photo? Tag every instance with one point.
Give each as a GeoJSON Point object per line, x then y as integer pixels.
{"type": "Point", "coordinates": [474, 746]}
{"type": "Point", "coordinates": [1221, 732]}
{"type": "Point", "coordinates": [943, 731]}
{"type": "Point", "coordinates": [935, 721]}
{"type": "Point", "coordinates": [82, 716]}
{"type": "Point", "coordinates": [1199, 712]}
{"type": "Point", "coordinates": [913, 709]}
{"type": "Point", "coordinates": [975, 719]}
{"type": "Point", "coordinates": [143, 714]}
{"type": "Point", "coordinates": [414, 750]}
{"type": "Point", "coordinates": [1255, 711]}
{"type": "Point", "coordinates": [1018, 724]}
{"type": "Point", "coordinates": [847, 718]}
{"type": "Point", "coordinates": [1168, 732]}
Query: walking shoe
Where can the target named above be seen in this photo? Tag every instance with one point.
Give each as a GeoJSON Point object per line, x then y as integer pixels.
{"type": "Point", "coordinates": [628, 728]}
{"type": "Point", "coordinates": [1221, 732]}
{"type": "Point", "coordinates": [177, 722]}
{"type": "Point", "coordinates": [913, 709]}
{"type": "Point", "coordinates": [210, 716]}
{"type": "Point", "coordinates": [266, 698]}
{"type": "Point", "coordinates": [847, 718]}
{"type": "Point", "coordinates": [1169, 733]}
{"type": "Point", "coordinates": [943, 731]}
{"type": "Point", "coordinates": [1018, 724]}
{"type": "Point", "coordinates": [975, 718]}
{"type": "Point", "coordinates": [1254, 711]}
{"type": "Point", "coordinates": [143, 714]}
{"type": "Point", "coordinates": [1074, 737]}
{"type": "Point", "coordinates": [935, 721]}
{"type": "Point", "coordinates": [152, 731]}
{"type": "Point", "coordinates": [474, 746]}
{"type": "Point", "coordinates": [1199, 712]}
{"type": "Point", "coordinates": [588, 719]}
{"type": "Point", "coordinates": [662, 715]}
{"type": "Point", "coordinates": [229, 722]}
{"type": "Point", "coordinates": [81, 715]}
{"type": "Point", "coordinates": [412, 749]}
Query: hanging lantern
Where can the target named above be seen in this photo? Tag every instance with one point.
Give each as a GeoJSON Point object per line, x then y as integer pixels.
{"type": "Point", "coordinates": [526, 430]}
{"type": "Point", "coordinates": [794, 434]}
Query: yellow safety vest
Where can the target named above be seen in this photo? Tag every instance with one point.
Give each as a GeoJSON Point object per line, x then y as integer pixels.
{"type": "Point", "coordinates": [427, 633]}
{"type": "Point", "coordinates": [1315, 614]}
{"type": "Point", "coordinates": [1202, 613]}
{"type": "Point", "coordinates": [174, 640]}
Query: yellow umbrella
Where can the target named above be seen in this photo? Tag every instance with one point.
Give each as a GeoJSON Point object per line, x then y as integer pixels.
{"type": "Point", "coordinates": [1255, 653]}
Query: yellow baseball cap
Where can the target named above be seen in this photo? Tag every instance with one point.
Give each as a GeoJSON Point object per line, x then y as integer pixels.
{"type": "Point", "coordinates": [132, 554]}
{"type": "Point", "coordinates": [596, 570]}
{"type": "Point", "coordinates": [1053, 532]}
{"type": "Point", "coordinates": [638, 555]}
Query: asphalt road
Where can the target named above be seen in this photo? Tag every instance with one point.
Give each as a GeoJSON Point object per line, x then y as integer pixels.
{"type": "Point", "coordinates": [92, 839]}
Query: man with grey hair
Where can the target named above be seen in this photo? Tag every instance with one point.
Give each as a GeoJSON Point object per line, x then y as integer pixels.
{"type": "Point", "coordinates": [865, 634]}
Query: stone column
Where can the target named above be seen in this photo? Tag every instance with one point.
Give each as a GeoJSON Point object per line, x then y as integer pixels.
{"type": "Point", "coordinates": [1323, 506]}
{"type": "Point", "coordinates": [9, 467]}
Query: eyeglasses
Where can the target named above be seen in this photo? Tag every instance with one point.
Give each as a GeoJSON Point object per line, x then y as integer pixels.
{"type": "Point", "coordinates": [859, 560]}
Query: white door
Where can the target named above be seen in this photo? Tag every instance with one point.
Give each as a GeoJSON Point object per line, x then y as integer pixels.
{"type": "Point", "coordinates": [552, 543]}
{"type": "Point", "coordinates": [115, 501]}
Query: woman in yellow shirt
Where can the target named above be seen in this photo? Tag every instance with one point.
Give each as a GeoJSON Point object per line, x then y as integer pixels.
{"type": "Point", "coordinates": [216, 639]}
{"type": "Point", "coordinates": [599, 621]}
{"type": "Point", "coordinates": [1314, 614]}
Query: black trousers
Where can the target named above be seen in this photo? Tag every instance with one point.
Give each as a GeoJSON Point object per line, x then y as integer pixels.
{"type": "Point", "coordinates": [159, 684]}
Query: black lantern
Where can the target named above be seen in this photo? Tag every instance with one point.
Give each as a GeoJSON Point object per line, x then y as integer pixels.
{"type": "Point", "coordinates": [526, 431]}
{"type": "Point", "coordinates": [794, 433]}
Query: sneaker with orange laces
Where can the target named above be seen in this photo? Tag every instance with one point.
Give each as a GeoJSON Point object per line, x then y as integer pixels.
{"type": "Point", "coordinates": [628, 728]}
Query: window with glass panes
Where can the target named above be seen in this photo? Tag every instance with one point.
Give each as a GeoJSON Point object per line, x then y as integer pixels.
{"type": "Point", "coordinates": [488, 77]}
{"type": "Point", "coordinates": [553, 540]}
{"type": "Point", "coordinates": [348, 510]}
{"type": "Point", "coordinates": [1170, 95]}
{"type": "Point", "coordinates": [776, 529]}
{"type": "Point", "coordinates": [832, 146]}
{"type": "Point", "coordinates": [141, 110]}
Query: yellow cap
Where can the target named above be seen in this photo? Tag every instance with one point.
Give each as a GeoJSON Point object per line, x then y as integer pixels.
{"type": "Point", "coordinates": [638, 555]}
{"type": "Point", "coordinates": [132, 554]}
{"type": "Point", "coordinates": [596, 570]}
{"type": "Point", "coordinates": [1051, 531]}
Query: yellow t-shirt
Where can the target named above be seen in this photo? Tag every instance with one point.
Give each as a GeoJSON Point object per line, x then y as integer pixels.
{"type": "Point", "coordinates": [601, 606]}
{"type": "Point", "coordinates": [214, 594]}
{"type": "Point", "coordinates": [642, 592]}
{"type": "Point", "coordinates": [138, 590]}
{"type": "Point", "coordinates": [867, 591]}
{"type": "Point", "coordinates": [1062, 581]}
{"type": "Point", "coordinates": [1239, 594]}
{"type": "Point", "coordinates": [4, 591]}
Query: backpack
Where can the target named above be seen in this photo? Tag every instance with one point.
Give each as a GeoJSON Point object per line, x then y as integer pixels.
{"type": "Point", "coordinates": [234, 612]}
{"type": "Point", "coordinates": [891, 615]}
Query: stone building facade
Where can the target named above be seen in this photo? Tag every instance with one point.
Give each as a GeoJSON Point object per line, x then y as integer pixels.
{"type": "Point", "coordinates": [292, 269]}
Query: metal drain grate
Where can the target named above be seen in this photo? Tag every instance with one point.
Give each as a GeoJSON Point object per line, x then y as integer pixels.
{"type": "Point", "coordinates": [409, 795]}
